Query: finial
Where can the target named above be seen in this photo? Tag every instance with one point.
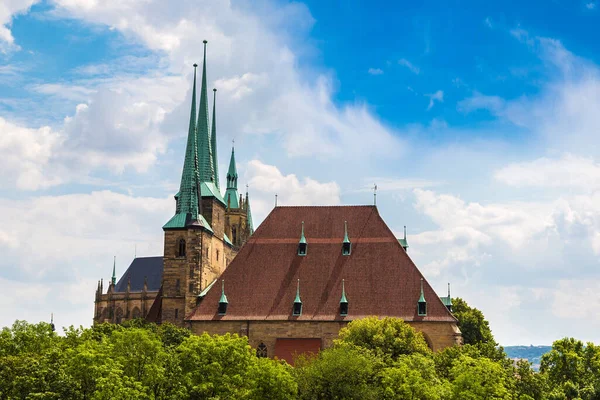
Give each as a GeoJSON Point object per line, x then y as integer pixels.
{"type": "Point", "coordinates": [114, 275]}
{"type": "Point", "coordinates": [448, 289]}
{"type": "Point", "coordinates": [205, 41]}
{"type": "Point", "coordinates": [422, 297]}
{"type": "Point", "coordinates": [51, 318]}
{"type": "Point", "coordinates": [404, 232]}
{"type": "Point", "coordinates": [195, 65]}
{"type": "Point", "coordinates": [135, 250]}
{"type": "Point", "coordinates": [275, 199]}
{"type": "Point", "coordinates": [297, 300]}
{"type": "Point", "coordinates": [375, 194]}
{"type": "Point", "coordinates": [344, 299]}
{"type": "Point", "coordinates": [246, 190]}
{"type": "Point", "coordinates": [215, 90]}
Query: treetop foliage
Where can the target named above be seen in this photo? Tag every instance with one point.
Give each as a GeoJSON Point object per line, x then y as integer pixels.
{"type": "Point", "coordinates": [373, 358]}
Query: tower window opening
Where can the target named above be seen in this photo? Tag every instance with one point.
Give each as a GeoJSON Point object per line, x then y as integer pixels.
{"type": "Point", "coordinates": [176, 313]}
{"type": "Point", "coordinates": [177, 285]}
{"type": "Point", "coordinates": [181, 249]}
{"type": "Point", "coordinates": [297, 310]}
{"type": "Point", "coordinates": [422, 308]}
{"type": "Point", "coordinates": [344, 309]}
{"type": "Point", "coordinates": [302, 249]}
{"type": "Point", "coordinates": [234, 234]}
{"type": "Point", "coordinates": [346, 249]}
{"type": "Point", "coordinates": [261, 351]}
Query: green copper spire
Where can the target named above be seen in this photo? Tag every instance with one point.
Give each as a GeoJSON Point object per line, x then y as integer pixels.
{"type": "Point", "coordinates": [205, 162]}
{"type": "Point", "coordinates": [346, 239]}
{"type": "Point", "coordinates": [113, 280]}
{"type": "Point", "coordinates": [187, 201]}
{"type": "Point", "coordinates": [346, 245]}
{"type": "Point", "coordinates": [404, 242]}
{"type": "Point", "coordinates": [302, 237]}
{"type": "Point", "coordinates": [213, 140]}
{"type": "Point", "coordinates": [231, 194]}
{"type": "Point", "coordinates": [297, 299]}
{"type": "Point", "coordinates": [422, 297]}
{"type": "Point", "coordinates": [248, 213]}
{"type": "Point", "coordinates": [223, 298]}
{"type": "Point", "coordinates": [343, 299]}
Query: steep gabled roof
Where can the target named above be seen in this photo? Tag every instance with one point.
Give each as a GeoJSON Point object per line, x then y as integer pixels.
{"type": "Point", "coordinates": [380, 278]}
{"type": "Point", "coordinates": [141, 268]}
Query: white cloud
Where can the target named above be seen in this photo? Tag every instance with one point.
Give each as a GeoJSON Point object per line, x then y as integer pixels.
{"type": "Point", "coordinates": [591, 5]}
{"type": "Point", "coordinates": [437, 96]}
{"type": "Point", "coordinates": [8, 9]}
{"type": "Point", "coordinates": [413, 68]}
{"type": "Point", "coordinates": [488, 22]}
{"type": "Point", "coordinates": [267, 180]}
{"type": "Point", "coordinates": [375, 71]}
{"type": "Point", "coordinates": [569, 171]}
{"type": "Point", "coordinates": [27, 155]}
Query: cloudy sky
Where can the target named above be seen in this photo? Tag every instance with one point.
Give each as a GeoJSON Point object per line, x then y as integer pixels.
{"type": "Point", "coordinates": [478, 121]}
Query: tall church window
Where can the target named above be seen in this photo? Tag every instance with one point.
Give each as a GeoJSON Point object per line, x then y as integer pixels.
{"type": "Point", "coordinates": [119, 315]}
{"type": "Point", "coordinates": [234, 234]}
{"type": "Point", "coordinates": [136, 313]}
{"type": "Point", "coordinates": [177, 285]}
{"type": "Point", "coordinates": [176, 313]}
{"type": "Point", "coordinates": [261, 351]}
{"type": "Point", "coordinates": [181, 248]}
{"type": "Point", "coordinates": [217, 255]}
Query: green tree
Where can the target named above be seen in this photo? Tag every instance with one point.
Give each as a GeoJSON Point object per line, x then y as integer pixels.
{"type": "Point", "coordinates": [474, 327]}
{"type": "Point", "coordinates": [475, 379]}
{"type": "Point", "coordinates": [388, 337]}
{"type": "Point", "coordinates": [272, 380]}
{"type": "Point", "coordinates": [413, 377]}
{"type": "Point", "coordinates": [341, 372]}
{"type": "Point", "coordinates": [528, 383]}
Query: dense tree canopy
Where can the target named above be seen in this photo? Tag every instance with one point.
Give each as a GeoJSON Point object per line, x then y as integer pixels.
{"type": "Point", "coordinates": [372, 359]}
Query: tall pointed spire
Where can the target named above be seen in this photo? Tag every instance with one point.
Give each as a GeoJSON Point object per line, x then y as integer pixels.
{"type": "Point", "coordinates": [187, 202]}
{"type": "Point", "coordinates": [213, 141]}
{"type": "Point", "coordinates": [113, 280]}
{"type": "Point", "coordinates": [248, 214]}
{"type": "Point", "coordinates": [231, 194]}
{"type": "Point", "coordinates": [205, 162]}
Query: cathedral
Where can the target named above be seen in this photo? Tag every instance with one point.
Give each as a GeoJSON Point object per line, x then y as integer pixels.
{"type": "Point", "coordinates": [291, 285]}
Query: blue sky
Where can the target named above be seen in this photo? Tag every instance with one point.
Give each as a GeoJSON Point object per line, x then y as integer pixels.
{"type": "Point", "coordinates": [477, 120]}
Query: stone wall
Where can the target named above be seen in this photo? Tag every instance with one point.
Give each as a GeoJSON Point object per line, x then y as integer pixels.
{"type": "Point", "coordinates": [107, 306]}
{"type": "Point", "coordinates": [439, 335]}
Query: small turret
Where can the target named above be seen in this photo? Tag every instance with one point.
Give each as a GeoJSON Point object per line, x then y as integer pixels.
{"type": "Point", "coordinates": [297, 309]}
{"type": "Point", "coordinates": [346, 245]}
{"type": "Point", "coordinates": [422, 304]}
{"type": "Point", "coordinates": [223, 303]}
{"type": "Point", "coordinates": [302, 245]}
{"type": "Point", "coordinates": [113, 279]}
{"type": "Point", "coordinates": [404, 242]}
{"type": "Point", "coordinates": [343, 301]}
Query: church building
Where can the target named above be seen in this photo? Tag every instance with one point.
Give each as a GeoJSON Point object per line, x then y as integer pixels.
{"type": "Point", "coordinates": [291, 285]}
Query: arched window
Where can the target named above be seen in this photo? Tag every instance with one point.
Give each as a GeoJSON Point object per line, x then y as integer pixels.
{"type": "Point", "coordinates": [217, 255]}
{"type": "Point", "coordinates": [261, 351]}
{"type": "Point", "coordinates": [119, 315]}
{"type": "Point", "coordinates": [181, 249]}
{"type": "Point", "coordinates": [136, 313]}
{"type": "Point", "coordinates": [234, 235]}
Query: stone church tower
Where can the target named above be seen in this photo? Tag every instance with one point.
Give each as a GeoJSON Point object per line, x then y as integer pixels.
{"type": "Point", "coordinates": [197, 244]}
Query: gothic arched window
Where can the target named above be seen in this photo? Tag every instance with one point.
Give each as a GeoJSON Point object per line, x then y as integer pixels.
{"type": "Point", "coordinates": [181, 249]}
{"type": "Point", "coordinates": [261, 351]}
{"type": "Point", "coordinates": [234, 235]}
{"type": "Point", "coordinates": [136, 313]}
{"type": "Point", "coordinates": [119, 315]}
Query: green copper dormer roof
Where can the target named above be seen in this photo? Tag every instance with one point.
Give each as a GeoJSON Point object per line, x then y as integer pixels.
{"type": "Point", "coordinates": [187, 197]}
{"type": "Point", "coordinates": [213, 141]}
{"type": "Point", "coordinates": [422, 297]}
{"type": "Point", "coordinates": [231, 194]}
{"type": "Point", "coordinates": [113, 280]}
{"type": "Point", "coordinates": [447, 300]}
{"type": "Point", "coordinates": [232, 174]}
{"type": "Point", "coordinates": [346, 239]}
{"type": "Point", "coordinates": [181, 220]}
{"type": "Point", "coordinates": [249, 214]}
{"type": "Point", "coordinates": [205, 154]}
{"type": "Point", "coordinates": [302, 237]}
{"type": "Point", "coordinates": [223, 299]}
{"type": "Point", "coordinates": [343, 299]}
{"type": "Point", "coordinates": [404, 242]}
{"type": "Point", "coordinates": [297, 299]}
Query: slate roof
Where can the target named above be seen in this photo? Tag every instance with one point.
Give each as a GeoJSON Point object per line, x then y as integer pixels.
{"type": "Point", "coordinates": [380, 278]}
{"type": "Point", "coordinates": [141, 267]}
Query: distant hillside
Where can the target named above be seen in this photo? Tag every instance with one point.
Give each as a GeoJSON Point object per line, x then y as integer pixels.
{"type": "Point", "coordinates": [531, 353]}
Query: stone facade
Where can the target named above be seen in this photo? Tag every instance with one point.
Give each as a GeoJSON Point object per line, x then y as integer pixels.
{"type": "Point", "coordinates": [118, 307]}
{"type": "Point", "coordinates": [438, 335]}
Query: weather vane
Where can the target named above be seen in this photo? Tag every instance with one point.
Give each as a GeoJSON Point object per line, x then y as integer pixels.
{"type": "Point", "coordinates": [375, 194]}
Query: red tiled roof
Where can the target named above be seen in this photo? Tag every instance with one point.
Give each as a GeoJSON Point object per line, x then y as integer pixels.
{"type": "Point", "coordinates": [380, 278]}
